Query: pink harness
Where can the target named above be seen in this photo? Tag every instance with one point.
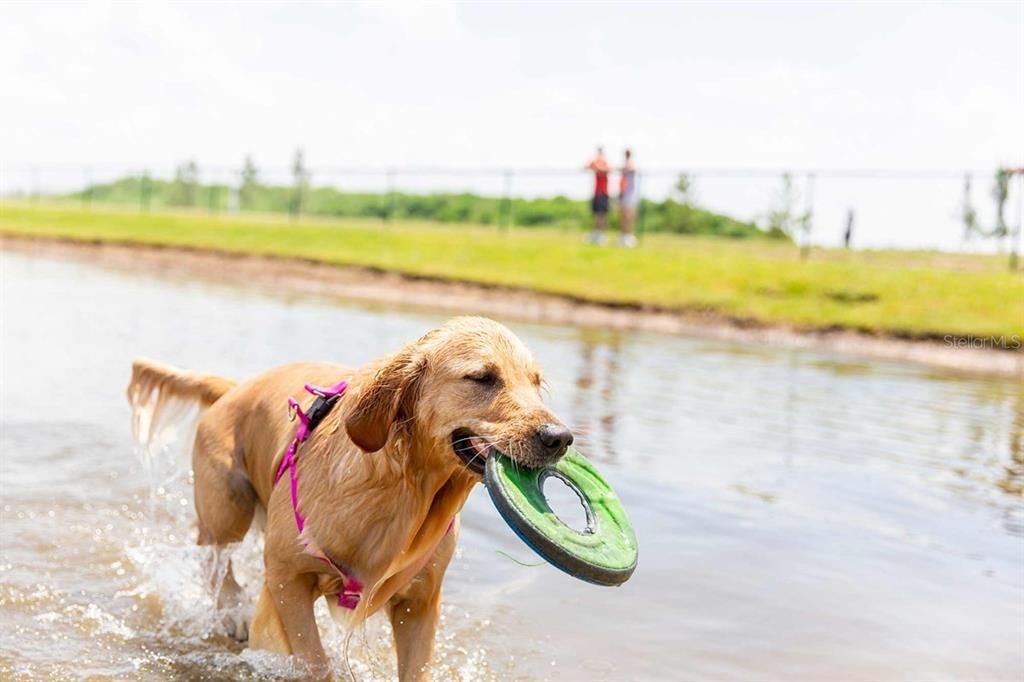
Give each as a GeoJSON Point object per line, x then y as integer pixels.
{"type": "Point", "coordinates": [352, 589]}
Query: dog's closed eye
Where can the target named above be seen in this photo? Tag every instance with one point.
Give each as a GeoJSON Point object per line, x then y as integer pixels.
{"type": "Point", "coordinates": [484, 377]}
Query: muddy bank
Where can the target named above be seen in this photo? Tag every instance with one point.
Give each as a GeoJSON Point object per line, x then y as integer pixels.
{"type": "Point", "coordinates": [300, 276]}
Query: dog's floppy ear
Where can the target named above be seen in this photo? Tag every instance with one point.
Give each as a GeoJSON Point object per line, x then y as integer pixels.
{"type": "Point", "coordinates": [386, 397]}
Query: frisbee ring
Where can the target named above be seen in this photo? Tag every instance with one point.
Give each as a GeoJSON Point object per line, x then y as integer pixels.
{"type": "Point", "coordinates": [603, 553]}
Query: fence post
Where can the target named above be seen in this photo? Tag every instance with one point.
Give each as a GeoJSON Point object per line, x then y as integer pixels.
{"type": "Point", "coordinates": [389, 214]}
{"type": "Point", "coordinates": [236, 194]}
{"type": "Point", "coordinates": [86, 186]}
{"type": "Point", "coordinates": [212, 195]}
{"type": "Point", "coordinates": [640, 212]}
{"type": "Point", "coordinates": [506, 219]}
{"type": "Point", "coordinates": [1015, 250]}
{"type": "Point", "coordinates": [144, 191]}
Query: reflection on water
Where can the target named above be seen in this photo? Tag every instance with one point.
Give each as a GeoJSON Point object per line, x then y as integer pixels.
{"type": "Point", "coordinates": [800, 516]}
{"type": "Point", "coordinates": [596, 400]}
{"type": "Point", "coordinates": [1013, 481]}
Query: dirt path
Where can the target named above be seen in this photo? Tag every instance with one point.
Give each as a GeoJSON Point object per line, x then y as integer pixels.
{"type": "Point", "coordinates": [294, 275]}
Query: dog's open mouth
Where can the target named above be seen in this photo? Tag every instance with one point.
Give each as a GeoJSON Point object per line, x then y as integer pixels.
{"type": "Point", "coordinates": [472, 449]}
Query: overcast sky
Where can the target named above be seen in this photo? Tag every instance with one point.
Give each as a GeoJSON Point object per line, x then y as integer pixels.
{"type": "Point", "coordinates": [764, 85]}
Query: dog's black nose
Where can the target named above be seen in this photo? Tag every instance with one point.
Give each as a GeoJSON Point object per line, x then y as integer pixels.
{"type": "Point", "coordinates": [554, 438]}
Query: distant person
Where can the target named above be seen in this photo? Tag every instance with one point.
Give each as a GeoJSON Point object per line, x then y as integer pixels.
{"type": "Point", "coordinates": [628, 200]}
{"type": "Point", "coordinates": [599, 204]}
{"type": "Point", "coordinates": [848, 234]}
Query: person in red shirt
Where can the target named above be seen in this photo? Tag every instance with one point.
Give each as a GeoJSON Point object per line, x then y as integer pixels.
{"type": "Point", "coordinates": [599, 204]}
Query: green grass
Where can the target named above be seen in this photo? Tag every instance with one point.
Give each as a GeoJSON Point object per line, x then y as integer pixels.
{"type": "Point", "coordinates": [918, 294]}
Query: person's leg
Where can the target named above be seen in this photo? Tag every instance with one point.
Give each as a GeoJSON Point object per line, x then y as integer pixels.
{"type": "Point", "coordinates": [599, 207]}
{"type": "Point", "coordinates": [628, 219]}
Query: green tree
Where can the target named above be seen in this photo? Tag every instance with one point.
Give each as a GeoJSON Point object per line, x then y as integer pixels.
{"type": "Point", "coordinates": [968, 214]}
{"type": "Point", "coordinates": [1000, 192]}
{"type": "Point", "coordinates": [686, 192]}
{"type": "Point", "coordinates": [784, 217]}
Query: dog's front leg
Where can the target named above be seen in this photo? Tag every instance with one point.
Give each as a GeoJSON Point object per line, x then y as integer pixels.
{"type": "Point", "coordinates": [285, 612]}
{"type": "Point", "coordinates": [415, 610]}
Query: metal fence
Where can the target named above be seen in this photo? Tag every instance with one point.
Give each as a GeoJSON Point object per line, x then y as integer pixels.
{"type": "Point", "coordinates": [910, 209]}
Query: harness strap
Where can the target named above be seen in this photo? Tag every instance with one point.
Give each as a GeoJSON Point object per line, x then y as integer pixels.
{"type": "Point", "coordinates": [321, 407]}
{"type": "Point", "coordinates": [308, 421]}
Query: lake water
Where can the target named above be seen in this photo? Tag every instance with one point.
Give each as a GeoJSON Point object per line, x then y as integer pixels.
{"type": "Point", "coordinates": [800, 516]}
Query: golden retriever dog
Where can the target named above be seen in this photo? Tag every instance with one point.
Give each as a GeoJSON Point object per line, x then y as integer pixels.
{"type": "Point", "coordinates": [379, 482]}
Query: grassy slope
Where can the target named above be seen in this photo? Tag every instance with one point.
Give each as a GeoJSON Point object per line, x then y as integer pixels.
{"type": "Point", "coordinates": [917, 293]}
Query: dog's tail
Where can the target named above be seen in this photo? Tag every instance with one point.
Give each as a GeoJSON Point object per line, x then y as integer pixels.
{"type": "Point", "coordinates": [161, 396]}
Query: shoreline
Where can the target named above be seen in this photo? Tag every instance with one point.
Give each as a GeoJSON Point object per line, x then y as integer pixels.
{"type": "Point", "coordinates": [380, 286]}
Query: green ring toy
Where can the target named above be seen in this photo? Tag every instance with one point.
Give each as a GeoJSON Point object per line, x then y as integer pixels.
{"type": "Point", "coordinates": [604, 553]}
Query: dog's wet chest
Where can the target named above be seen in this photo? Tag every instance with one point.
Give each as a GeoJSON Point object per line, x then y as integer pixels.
{"type": "Point", "coordinates": [423, 545]}
{"type": "Point", "coordinates": [348, 591]}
